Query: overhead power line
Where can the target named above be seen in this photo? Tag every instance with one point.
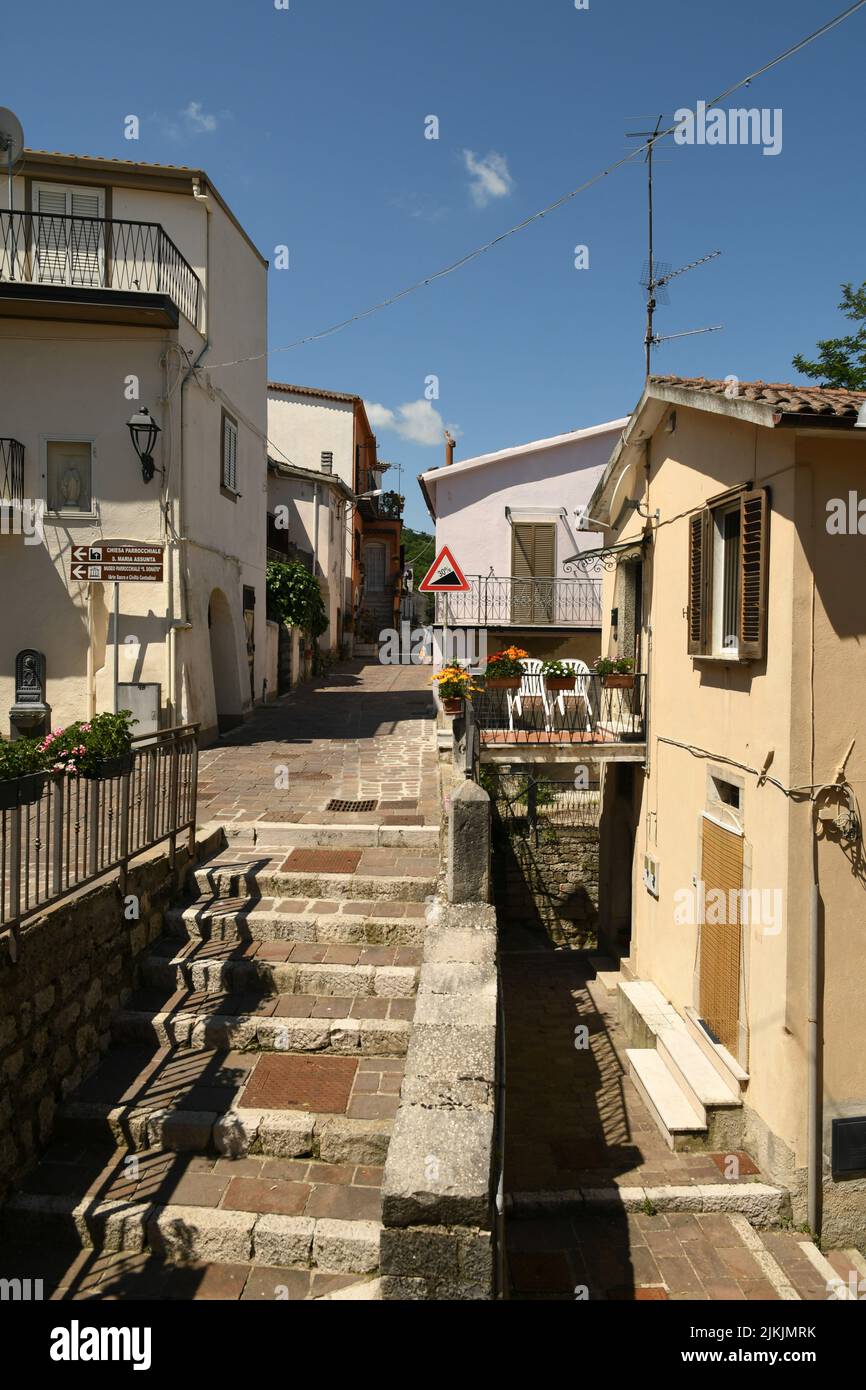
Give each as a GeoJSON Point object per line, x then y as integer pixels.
{"type": "Point", "coordinates": [551, 207]}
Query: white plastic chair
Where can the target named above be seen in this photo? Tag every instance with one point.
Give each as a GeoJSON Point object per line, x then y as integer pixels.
{"type": "Point", "coordinates": [531, 687]}
{"type": "Point", "coordinates": [557, 699]}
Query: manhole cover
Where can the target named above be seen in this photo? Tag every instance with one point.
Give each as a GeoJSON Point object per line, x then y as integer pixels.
{"type": "Point", "coordinates": [322, 861]}
{"type": "Point", "coordinates": [319, 1084]}
{"type": "Point", "coordinates": [353, 806]}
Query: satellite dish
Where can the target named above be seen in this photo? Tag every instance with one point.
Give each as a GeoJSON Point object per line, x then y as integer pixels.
{"type": "Point", "coordinates": [11, 142]}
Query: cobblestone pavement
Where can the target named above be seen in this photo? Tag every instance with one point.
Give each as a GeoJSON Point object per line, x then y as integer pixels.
{"type": "Point", "coordinates": [362, 733]}
{"type": "Point", "coordinates": [575, 1121]}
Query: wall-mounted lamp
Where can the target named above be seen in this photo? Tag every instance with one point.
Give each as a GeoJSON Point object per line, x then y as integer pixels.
{"type": "Point", "coordinates": [143, 430]}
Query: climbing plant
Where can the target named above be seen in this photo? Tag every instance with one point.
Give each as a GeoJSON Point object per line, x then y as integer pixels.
{"type": "Point", "coordinates": [295, 598]}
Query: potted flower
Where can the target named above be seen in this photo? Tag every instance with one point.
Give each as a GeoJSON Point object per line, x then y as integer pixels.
{"type": "Point", "coordinates": [455, 685]}
{"type": "Point", "coordinates": [558, 675]}
{"type": "Point", "coordinates": [505, 669]}
{"type": "Point", "coordinates": [96, 749]}
{"type": "Point", "coordinates": [616, 672]}
{"type": "Point", "coordinates": [22, 774]}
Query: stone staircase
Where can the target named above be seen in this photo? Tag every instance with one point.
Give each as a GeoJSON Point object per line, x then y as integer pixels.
{"type": "Point", "coordinates": [690, 1085]}
{"type": "Point", "coordinates": [238, 1127]}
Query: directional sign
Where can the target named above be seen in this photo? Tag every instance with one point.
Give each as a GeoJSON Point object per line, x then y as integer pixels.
{"type": "Point", "coordinates": [115, 561]}
{"type": "Point", "coordinates": [444, 576]}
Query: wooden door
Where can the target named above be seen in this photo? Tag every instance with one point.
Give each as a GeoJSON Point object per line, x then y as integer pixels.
{"type": "Point", "coordinates": [720, 948]}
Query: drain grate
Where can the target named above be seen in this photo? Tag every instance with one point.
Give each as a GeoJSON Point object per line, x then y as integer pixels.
{"type": "Point", "coordinates": [311, 776]}
{"type": "Point", "coordinates": [351, 806]}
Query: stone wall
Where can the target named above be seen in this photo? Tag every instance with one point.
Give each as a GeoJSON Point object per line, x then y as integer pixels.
{"type": "Point", "coordinates": [547, 880]}
{"type": "Point", "coordinates": [76, 963]}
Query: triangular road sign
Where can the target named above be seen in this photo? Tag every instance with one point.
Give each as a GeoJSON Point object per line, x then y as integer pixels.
{"type": "Point", "coordinates": [444, 576]}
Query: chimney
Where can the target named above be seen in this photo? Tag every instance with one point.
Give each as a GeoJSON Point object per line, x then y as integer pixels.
{"type": "Point", "coordinates": [327, 461]}
{"type": "Point", "coordinates": [449, 448]}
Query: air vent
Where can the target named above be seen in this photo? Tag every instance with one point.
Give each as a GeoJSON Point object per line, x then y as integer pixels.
{"type": "Point", "coordinates": [327, 461]}
{"type": "Point", "coordinates": [849, 1146]}
{"type": "Point", "coordinates": [651, 875]}
{"type": "Point", "coordinates": [352, 807]}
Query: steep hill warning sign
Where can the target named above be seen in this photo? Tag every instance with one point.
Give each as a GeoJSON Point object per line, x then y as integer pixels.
{"type": "Point", "coordinates": [444, 576]}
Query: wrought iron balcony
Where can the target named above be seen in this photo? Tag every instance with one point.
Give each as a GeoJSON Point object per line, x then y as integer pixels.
{"type": "Point", "coordinates": [50, 251]}
{"type": "Point", "coordinates": [11, 473]}
{"type": "Point", "coordinates": [605, 712]}
{"type": "Point", "coordinates": [506, 601]}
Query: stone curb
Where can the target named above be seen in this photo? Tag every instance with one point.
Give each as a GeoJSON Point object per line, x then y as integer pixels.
{"type": "Point", "coordinates": [762, 1204]}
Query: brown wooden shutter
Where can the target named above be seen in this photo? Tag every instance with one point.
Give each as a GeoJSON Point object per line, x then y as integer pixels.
{"type": "Point", "coordinates": [521, 551]}
{"type": "Point", "coordinates": [699, 560]}
{"type": "Point", "coordinates": [721, 872]}
{"type": "Point", "coordinates": [754, 557]}
{"type": "Point", "coordinates": [533, 550]}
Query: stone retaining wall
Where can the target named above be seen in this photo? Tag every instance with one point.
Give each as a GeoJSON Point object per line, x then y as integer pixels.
{"type": "Point", "coordinates": [437, 1241]}
{"type": "Point", "coordinates": [76, 963]}
{"type": "Point", "coordinates": [549, 880]}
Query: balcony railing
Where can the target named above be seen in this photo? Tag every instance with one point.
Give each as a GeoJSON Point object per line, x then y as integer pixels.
{"type": "Point", "coordinates": [78, 830]}
{"type": "Point", "coordinates": [96, 253]}
{"type": "Point", "coordinates": [505, 601]}
{"type": "Point", "coordinates": [11, 473]}
{"type": "Point", "coordinates": [591, 711]}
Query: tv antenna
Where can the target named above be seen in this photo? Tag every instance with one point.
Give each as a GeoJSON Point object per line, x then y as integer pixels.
{"type": "Point", "coordinates": [657, 274]}
{"type": "Point", "coordinates": [11, 143]}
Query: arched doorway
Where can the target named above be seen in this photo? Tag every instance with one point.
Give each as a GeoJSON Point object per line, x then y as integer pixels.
{"type": "Point", "coordinates": [224, 662]}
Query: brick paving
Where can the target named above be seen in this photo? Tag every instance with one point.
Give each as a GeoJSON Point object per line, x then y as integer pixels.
{"type": "Point", "coordinates": [383, 752]}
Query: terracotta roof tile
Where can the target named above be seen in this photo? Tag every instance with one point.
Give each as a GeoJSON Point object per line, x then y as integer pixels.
{"type": "Point", "coordinates": [786, 399]}
{"type": "Point", "coordinates": [311, 391]}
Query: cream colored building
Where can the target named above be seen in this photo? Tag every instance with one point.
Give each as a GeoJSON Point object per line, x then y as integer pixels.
{"type": "Point", "coordinates": [124, 286]}
{"type": "Point", "coordinates": [308, 516]}
{"type": "Point", "coordinates": [738, 588]}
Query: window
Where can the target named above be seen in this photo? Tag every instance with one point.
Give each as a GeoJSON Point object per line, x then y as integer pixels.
{"type": "Point", "coordinates": [229, 462]}
{"type": "Point", "coordinates": [533, 564]}
{"type": "Point", "coordinates": [69, 468]}
{"type": "Point", "coordinates": [727, 576]}
{"type": "Point", "coordinates": [69, 252]}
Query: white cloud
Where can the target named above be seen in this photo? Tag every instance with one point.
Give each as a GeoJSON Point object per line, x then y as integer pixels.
{"type": "Point", "coordinates": [418, 421]}
{"type": "Point", "coordinates": [198, 120]}
{"type": "Point", "coordinates": [491, 177]}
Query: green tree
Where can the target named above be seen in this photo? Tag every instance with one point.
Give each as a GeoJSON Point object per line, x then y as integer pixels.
{"type": "Point", "coordinates": [294, 597]}
{"type": "Point", "coordinates": [842, 361]}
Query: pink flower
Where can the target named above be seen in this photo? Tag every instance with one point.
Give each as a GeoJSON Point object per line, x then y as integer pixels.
{"type": "Point", "coordinates": [86, 728]}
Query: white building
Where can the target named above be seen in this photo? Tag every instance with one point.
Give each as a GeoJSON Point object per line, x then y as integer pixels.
{"type": "Point", "coordinates": [120, 285]}
{"type": "Point", "coordinates": [511, 521]}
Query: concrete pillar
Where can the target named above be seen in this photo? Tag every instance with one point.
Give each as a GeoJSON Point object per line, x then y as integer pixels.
{"type": "Point", "coordinates": [468, 879]}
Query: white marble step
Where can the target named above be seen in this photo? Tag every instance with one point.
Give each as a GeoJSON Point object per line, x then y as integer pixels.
{"type": "Point", "coordinates": [693, 1071]}
{"type": "Point", "coordinates": [673, 1112]}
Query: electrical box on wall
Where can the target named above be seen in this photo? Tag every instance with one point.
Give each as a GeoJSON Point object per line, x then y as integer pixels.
{"type": "Point", "coordinates": [849, 1146]}
{"type": "Point", "coordinates": [651, 875]}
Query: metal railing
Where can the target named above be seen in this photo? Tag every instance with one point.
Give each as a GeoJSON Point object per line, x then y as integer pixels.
{"type": "Point", "coordinates": [11, 472]}
{"type": "Point", "coordinates": [81, 828]}
{"type": "Point", "coordinates": [503, 600]}
{"type": "Point", "coordinates": [38, 248]}
{"type": "Point", "coordinates": [591, 711]}
{"type": "Point", "coordinates": [527, 804]}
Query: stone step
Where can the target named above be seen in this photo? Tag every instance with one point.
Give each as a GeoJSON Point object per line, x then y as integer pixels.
{"type": "Point", "coordinates": [236, 1133]}
{"type": "Point", "coordinates": [682, 1125]}
{"type": "Point", "coordinates": [694, 1072]}
{"type": "Point", "coordinates": [180, 1233]}
{"type": "Point", "coordinates": [348, 922]}
{"type": "Point", "coordinates": [279, 835]}
{"type": "Point", "coordinates": [227, 881]}
{"type": "Point", "coordinates": [221, 973]}
{"type": "Point", "coordinates": [194, 1028]}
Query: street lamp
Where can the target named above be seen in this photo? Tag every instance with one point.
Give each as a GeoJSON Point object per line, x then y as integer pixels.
{"type": "Point", "coordinates": [143, 430]}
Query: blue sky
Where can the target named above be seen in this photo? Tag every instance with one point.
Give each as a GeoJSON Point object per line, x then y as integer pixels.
{"type": "Point", "coordinates": [311, 123]}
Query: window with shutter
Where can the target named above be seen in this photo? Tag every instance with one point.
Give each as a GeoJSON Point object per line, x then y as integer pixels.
{"type": "Point", "coordinates": [720, 951]}
{"type": "Point", "coordinates": [69, 234]}
{"type": "Point", "coordinates": [727, 579]}
{"type": "Point", "coordinates": [533, 565]}
{"type": "Point", "coordinates": [754, 557]}
{"type": "Point", "coordinates": [229, 470]}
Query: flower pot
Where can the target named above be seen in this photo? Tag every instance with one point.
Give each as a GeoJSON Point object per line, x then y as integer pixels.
{"type": "Point", "coordinates": [452, 704]}
{"type": "Point", "coordinates": [9, 793]}
{"type": "Point", "coordinates": [559, 682]}
{"type": "Point", "coordinates": [503, 683]}
{"type": "Point", "coordinates": [618, 680]}
{"type": "Point", "coordinates": [112, 767]}
{"type": "Point", "coordinates": [30, 787]}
